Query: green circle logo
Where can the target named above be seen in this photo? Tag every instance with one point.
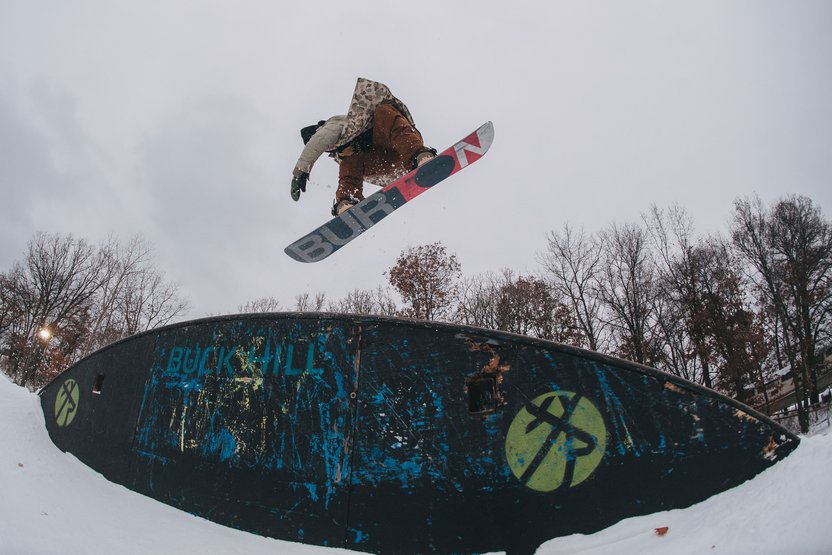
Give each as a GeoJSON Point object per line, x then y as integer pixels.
{"type": "Point", "coordinates": [66, 403]}
{"type": "Point", "coordinates": [556, 440]}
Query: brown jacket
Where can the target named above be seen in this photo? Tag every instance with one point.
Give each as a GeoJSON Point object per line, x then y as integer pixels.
{"type": "Point", "coordinates": [339, 131]}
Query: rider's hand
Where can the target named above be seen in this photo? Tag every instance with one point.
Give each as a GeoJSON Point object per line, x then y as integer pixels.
{"type": "Point", "coordinates": [299, 185]}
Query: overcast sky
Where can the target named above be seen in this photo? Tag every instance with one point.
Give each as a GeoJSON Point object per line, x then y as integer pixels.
{"type": "Point", "coordinates": [180, 121]}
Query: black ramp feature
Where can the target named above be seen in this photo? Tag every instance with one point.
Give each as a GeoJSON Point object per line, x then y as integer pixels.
{"type": "Point", "coordinates": [393, 436]}
{"type": "Point", "coordinates": [435, 171]}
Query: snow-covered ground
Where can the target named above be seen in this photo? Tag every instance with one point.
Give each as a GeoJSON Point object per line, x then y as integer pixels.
{"type": "Point", "coordinates": [50, 503]}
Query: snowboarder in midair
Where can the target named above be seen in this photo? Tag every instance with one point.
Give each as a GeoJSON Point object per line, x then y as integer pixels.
{"type": "Point", "coordinates": [376, 141]}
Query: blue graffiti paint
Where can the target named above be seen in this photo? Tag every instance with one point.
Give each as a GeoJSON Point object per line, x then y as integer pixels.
{"type": "Point", "coordinates": [221, 443]}
{"type": "Point", "coordinates": [624, 441]}
{"type": "Point", "coordinates": [293, 358]}
{"type": "Point", "coordinates": [195, 390]}
{"type": "Point", "coordinates": [313, 490]}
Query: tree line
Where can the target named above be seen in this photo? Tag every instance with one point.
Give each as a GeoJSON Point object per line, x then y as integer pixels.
{"type": "Point", "coordinates": [725, 311]}
{"type": "Point", "coordinates": [68, 298]}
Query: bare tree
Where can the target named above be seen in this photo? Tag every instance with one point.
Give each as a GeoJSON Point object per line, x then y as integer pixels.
{"type": "Point", "coordinates": [573, 265]}
{"type": "Point", "coordinates": [629, 291]}
{"type": "Point", "coordinates": [789, 249]}
{"type": "Point", "coordinates": [385, 301]}
{"type": "Point", "coordinates": [427, 278]}
{"type": "Point", "coordinates": [359, 301]}
{"type": "Point", "coordinates": [679, 265]}
{"type": "Point", "coordinates": [263, 304]}
{"type": "Point", "coordinates": [150, 302]}
{"type": "Point", "coordinates": [132, 295]}
{"type": "Point", "coordinates": [476, 304]}
{"type": "Point", "coordinates": [305, 303]}
{"type": "Point", "coordinates": [119, 266]}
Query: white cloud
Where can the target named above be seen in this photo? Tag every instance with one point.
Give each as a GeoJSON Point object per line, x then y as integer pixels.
{"type": "Point", "coordinates": [180, 120]}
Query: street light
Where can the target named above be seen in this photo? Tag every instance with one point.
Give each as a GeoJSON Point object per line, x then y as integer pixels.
{"type": "Point", "coordinates": [45, 333]}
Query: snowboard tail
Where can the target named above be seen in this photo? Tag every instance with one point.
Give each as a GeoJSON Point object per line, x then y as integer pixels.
{"type": "Point", "coordinates": [342, 229]}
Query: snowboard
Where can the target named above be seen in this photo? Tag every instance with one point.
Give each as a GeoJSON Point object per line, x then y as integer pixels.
{"type": "Point", "coordinates": [342, 229]}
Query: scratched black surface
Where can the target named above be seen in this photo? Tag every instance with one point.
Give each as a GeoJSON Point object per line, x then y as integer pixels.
{"type": "Point", "coordinates": [364, 439]}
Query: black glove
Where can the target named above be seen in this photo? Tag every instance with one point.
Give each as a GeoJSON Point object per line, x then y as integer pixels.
{"type": "Point", "coordinates": [299, 185]}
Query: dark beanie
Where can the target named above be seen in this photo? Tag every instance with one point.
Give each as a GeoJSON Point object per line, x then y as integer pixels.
{"type": "Point", "coordinates": [307, 132]}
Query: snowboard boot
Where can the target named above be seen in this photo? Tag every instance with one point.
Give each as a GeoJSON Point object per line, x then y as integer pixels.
{"type": "Point", "coordinates": [423, 156]}
{"type": "Point", "coordinates": [341, 206]}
